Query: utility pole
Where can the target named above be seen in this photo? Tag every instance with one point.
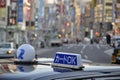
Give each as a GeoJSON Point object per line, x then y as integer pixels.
{"type": "Point", "coordinates": [92, 21]}
{"type": "Point", "coordinates": [102, 24]}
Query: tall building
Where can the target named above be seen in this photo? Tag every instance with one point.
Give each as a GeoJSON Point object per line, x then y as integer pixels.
{"type": "Point", "coordinates": [103, 16]}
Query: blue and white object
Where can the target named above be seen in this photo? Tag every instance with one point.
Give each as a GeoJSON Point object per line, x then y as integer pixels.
{"type": "Point", "coordinates": [20, 10]}
{"type": "Point", "coordinates": [26, 52]}
{"type": "Point", "coordinates": [69, 60]}
{"type": "Point", "coordinates": [26, 68]}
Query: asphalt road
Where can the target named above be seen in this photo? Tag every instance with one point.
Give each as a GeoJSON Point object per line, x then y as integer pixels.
{"type": "Point", "coordinates": [98, 53]}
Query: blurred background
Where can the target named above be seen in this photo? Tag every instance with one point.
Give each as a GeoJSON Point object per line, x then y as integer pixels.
{"type": "Point", "coordinates": [23, 21]}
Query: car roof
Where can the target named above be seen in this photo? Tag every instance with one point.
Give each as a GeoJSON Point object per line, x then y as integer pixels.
{"type": "Point", "coordinates": [46, 72]}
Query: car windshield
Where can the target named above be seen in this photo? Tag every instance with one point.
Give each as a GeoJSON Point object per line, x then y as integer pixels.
{"type": "Point", "coordinates": [90, 28]}
{"type": "Point", "coordinates": [117, 39]}
{"type": "Point", "coordinates": [5, 45]}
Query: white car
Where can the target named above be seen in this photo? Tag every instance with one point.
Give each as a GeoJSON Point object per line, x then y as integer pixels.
{"type": "Point", "coordinates": [7, 50]}
{"type": "Point", "coordinates": [55, 42]}
{"type": "Point", "coordinates": [115, 41]}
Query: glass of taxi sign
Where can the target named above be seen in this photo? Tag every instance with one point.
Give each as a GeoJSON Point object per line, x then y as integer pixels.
{"type": "Point", "coordinates": [116, 55]}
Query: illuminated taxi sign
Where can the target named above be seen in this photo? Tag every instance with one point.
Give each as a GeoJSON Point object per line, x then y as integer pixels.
{"type": "Point", "coordinates": [69, 60]}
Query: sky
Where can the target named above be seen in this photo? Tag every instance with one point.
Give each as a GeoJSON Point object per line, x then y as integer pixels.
{"type": "Point", "coordinates": [82, 1]}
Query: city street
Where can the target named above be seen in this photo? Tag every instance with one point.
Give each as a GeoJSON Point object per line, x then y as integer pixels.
{"type": "Point", "coordinates": [98, 53]}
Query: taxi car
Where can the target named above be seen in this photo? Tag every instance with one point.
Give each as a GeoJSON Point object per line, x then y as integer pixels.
{"type": "Point", "coordinates": [65, 66]}
{"type": "Point", "coordinates": [7, 49]}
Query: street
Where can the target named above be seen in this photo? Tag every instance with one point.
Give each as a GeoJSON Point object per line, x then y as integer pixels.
{"type": "Point", "coordinates": [98, 53]}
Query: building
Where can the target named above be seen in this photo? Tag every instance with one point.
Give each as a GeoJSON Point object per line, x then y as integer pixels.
{"type": "Point", "coordinates": [116, 23]}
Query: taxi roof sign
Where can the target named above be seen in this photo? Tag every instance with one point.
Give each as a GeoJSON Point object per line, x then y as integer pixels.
{"type": "Point", "coordinates": [68, 60]}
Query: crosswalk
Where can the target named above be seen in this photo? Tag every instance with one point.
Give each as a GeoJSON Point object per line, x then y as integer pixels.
{"type": "Point", "coordinates": [109, 52]}
{"type": "Point", "coordinates": [87, 44]}
{"type": "Point", "coordinates": [107, 49]}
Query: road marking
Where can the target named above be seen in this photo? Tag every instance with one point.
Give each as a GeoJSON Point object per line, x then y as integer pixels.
{"type": "Point", "coordinates": [41, 51]}
{"type": "Point", "coordinates": [98, 46]}
{"type": "Point", "coordinates": [109, 52]}
{"type": "Point", "coordinates": [84, 46]}
{"type": "Point", "coordinates": [86, 57]}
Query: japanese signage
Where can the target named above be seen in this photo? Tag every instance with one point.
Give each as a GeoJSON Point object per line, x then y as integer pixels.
{"type": "Point", "coordinates": [20, 10]}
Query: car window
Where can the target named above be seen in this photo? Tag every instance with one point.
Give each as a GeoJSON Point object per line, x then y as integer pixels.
{"type": "Point", "coordinates": [5, 46]}
{"type": "Point", "coordinates": [117, 39]}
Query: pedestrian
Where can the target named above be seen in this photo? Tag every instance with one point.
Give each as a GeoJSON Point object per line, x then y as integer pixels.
{"type": "Point", "coordinates": [108, 39]}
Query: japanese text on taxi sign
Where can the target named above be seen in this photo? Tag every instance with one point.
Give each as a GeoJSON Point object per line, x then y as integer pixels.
{"type": "Point", "coordinates": [66, 59]}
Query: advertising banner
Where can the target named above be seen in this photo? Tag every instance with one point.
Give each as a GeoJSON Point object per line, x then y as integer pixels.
{"type": "Point", "coordinates": [20, 10]}
{"type": "Point", "coordinates": [41, 8]}
{"type": "Point", "coordinates": [2, 12]}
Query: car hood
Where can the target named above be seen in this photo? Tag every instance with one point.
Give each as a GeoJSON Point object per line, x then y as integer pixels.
{"type": "Point", "coordinates": [11, 71]}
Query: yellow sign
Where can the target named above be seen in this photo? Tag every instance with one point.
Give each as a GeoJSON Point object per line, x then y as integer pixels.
{"type": "Point", "coordinates": [93, 3]}
{"type": "Point", "coordinates": [2, 13]}
{"type": "Point", "coordinates": [118, 53]}
{"type": "Point", "coordinates": [30, 28]}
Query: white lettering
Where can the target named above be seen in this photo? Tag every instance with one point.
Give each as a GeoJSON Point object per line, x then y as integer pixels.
{"type": "Point", "coordinates": [66, 60]}
{"type": "Point", "coordinates": [57, 59]}
{"type": "Point", "coordinates": [69, 60]}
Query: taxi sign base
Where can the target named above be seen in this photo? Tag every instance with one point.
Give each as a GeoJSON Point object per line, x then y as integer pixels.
{"type": "Point", "coordinates": [26, 62]}
{"type": "Point", "coordinates": [73, 68]}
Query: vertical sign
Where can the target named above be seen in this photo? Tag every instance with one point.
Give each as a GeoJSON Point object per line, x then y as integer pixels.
{"type": "Point", "coordinates": [41, 8]}
{"type": "Point", "coordinates": [73, 14]}
{"type": "Point", "coordinates": [2, 3]}
{"type": "Point", "coordinates": [2, 12]}
{"type": "Point", "coordinates": [20, 10]}
{"type": "Point", "coordinates": [41, 12]}
{"type": "Point", "coordinates": [13, 12]}
{"type": "Point", "coordinates": [29, 10]}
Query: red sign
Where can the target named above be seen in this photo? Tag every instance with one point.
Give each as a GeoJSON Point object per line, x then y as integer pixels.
{"type": "Point", "coordinates": [2, 3]}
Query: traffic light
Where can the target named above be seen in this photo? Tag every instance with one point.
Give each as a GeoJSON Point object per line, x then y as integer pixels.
{"type": "Point", "coordinates": [67, 24]}
{"type": "Point", "coordinates": [97, 33]}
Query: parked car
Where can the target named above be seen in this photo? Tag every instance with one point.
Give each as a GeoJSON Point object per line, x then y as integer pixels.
{"type": "Point", "coordinates": [39, 43]}
{"type": "Point", "coordinates": [7, 49]}
{"type": "Point", "coordinates": [115, 40]}
{"type": "Point", "coordinates": [55, 42]}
